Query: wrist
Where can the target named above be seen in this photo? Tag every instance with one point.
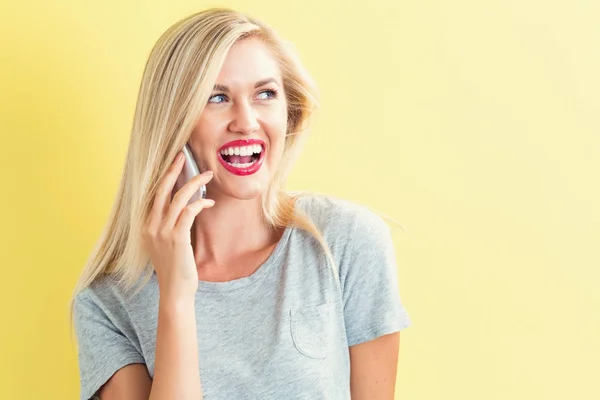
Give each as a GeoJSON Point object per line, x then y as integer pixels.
{"type": "Point", "coordinates": [177, 290]}
{"type": "Point", "coordinates": [176, 301]}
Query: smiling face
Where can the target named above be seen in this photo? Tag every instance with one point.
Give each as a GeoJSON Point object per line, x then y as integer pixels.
{"type": "Point", "coordinates": [240, 135]}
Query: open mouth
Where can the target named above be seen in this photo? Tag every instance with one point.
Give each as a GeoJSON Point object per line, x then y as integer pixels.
{"type": "Point", "coordinates": [242, 157]}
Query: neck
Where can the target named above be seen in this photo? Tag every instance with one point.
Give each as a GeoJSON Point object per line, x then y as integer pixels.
{"type": "Point", "coordinates": [228, 230]}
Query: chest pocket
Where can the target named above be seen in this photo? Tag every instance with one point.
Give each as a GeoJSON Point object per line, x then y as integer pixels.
{"type": "Point", "coordinates": [311, 328]}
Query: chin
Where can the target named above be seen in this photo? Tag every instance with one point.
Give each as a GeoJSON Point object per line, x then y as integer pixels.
{"type": "Point", "coordinates": [245, 191]}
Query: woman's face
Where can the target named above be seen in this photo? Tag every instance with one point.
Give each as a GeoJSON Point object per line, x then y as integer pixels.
{"type": "Point", "coordinates": [240, 134]}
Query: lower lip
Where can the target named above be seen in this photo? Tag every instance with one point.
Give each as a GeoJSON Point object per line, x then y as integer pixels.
{"type": "Point", "coordinates": [243, 171]}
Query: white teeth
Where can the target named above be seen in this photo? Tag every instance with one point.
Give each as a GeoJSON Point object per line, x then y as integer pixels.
{"type": "Point", "coordinates": [243, 151]}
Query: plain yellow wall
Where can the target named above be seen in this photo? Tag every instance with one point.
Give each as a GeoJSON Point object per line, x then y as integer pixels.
{"type": "Point", "coordinates": [474, 123]}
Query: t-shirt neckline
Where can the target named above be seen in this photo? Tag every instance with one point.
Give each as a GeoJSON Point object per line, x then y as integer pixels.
{"type": "Point", "coordinates": [262, 270]}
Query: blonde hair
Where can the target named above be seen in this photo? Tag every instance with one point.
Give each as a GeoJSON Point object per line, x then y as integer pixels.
{"type": "Point", "coordinates": [176, 84]}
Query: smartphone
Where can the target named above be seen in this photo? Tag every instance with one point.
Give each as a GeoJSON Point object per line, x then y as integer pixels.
{"type": "Point", "coordinates": [189, 170]}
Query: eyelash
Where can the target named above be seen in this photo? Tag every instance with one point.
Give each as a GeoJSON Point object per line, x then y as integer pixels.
{"type": "Point", "coordinates": [272, 92]}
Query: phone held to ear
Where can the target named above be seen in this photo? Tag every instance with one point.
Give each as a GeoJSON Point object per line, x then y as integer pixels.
{"type": "Point", "coordinates": [189, 170]}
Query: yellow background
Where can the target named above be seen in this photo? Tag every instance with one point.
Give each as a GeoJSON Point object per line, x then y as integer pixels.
{"type": "Point", "coordinates": [474, 123]}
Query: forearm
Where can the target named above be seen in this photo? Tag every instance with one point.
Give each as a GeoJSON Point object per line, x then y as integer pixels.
{"type": "Point", "coordinates": [176, 369]}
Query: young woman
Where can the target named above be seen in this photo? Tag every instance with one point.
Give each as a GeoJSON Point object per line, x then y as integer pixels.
{"type": "Point", "coordinates": [253, 292]}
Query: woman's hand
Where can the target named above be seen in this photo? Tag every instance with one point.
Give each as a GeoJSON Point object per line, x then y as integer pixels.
{"type": "Point", "coordinates": [167, 232]}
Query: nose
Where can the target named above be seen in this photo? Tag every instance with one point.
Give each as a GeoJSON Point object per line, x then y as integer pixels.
{"type": "Point", "coordinates": [244, 119]}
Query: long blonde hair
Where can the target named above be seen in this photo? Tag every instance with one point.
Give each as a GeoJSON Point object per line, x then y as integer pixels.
{"type": "Point", "coordinates": [176, 84]}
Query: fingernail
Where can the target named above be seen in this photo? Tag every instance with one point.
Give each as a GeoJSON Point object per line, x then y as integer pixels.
{"type": "Point", "coordinates": [179, 157]}
{"type": "Point", "coordinates": [211, 202]}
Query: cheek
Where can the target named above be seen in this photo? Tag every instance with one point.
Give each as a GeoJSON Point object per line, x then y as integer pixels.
{"type": "Point", "coordinates": [278, 124]}
{"type": "Point", "coordinates": [276, 155]}
{"type": "Point", "coordinates": [206, 128]}
{"type": "Point", "coordinates": [204, 141]}
{"type": "Point", "coordinates": [277, 137]}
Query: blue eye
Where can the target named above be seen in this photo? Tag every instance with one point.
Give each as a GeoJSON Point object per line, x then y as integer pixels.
{"type": "Point", "coordinates": [271, 94]}
{"type": "Point", "coordinates": [264, 95]}
{"type": "Point", "coordinates": [217, 96]}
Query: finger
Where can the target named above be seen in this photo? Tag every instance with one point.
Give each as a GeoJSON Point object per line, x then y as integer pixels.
{"type": "Point", "coordinates": [189, 213]}
{"type": "Point", "coordinates": [183, 196]}
{"type": "Point", "coordinates": [162, 198]}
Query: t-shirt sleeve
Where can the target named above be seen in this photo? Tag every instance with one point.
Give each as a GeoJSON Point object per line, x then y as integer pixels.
{"type": "Point", "coordinates": [102, 348]}
{"type": "Point", "coordinates": [370, 290]}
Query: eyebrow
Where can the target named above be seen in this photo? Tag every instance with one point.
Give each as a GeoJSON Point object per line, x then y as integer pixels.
{"type": "Point", "coordinates": [263, 82]}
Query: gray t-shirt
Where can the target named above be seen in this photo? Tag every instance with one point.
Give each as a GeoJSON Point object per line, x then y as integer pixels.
{"type": "Point", "coordinates": [281, 333]}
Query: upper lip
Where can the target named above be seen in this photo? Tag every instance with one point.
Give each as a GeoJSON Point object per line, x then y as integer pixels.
{"type": "Point", "coordinates": [242, 142]}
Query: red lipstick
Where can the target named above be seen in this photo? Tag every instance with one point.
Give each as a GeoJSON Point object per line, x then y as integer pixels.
{"type": "Point", "coordinates": [256, 163]}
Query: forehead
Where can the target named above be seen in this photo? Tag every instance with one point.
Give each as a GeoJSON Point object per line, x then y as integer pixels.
{"type": "Point", "coordinates": [248, 62]}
